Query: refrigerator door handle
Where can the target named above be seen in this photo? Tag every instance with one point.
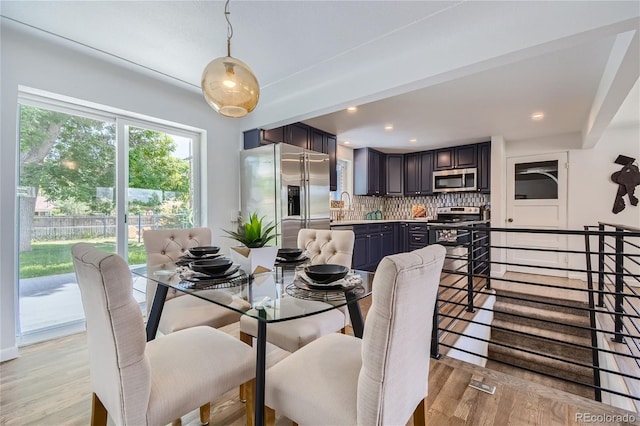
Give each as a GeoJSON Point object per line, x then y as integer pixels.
{"type": "Point", "coordinates": [307, 180]}
{"type": "Point", "coordinates": [303, 192]}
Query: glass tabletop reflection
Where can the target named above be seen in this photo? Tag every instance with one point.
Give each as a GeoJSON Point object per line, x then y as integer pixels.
{"type": "Point", "coordinates": [280, 295]}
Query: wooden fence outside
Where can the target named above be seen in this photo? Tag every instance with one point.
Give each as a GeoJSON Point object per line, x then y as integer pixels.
{"type": "Point", "coordinates": [49, 228]}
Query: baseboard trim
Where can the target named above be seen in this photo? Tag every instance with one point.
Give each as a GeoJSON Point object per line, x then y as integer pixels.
{"type": "Point", "coordinates": [7, 354]}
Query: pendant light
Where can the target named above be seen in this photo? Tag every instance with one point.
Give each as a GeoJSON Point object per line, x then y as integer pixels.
{"type": "Point", "coordinates": [228, 84]}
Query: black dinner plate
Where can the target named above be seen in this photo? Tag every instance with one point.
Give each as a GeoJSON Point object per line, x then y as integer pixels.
{"type": "Point", "coordinates": [326, 273]}
{"type": "Point", "coordinates": [203, 250]}
{"type": "Point", "coordinates": [289, 253]}
{"type": "Point", "coordinates": [211, 266]}
{"type": "Point", "coordinates": [200, 276]}
{"type": "Point", "coordinates": [311, 286]}
{"type": "Point", "coordinates": [297, 259]}
{"type": "Point", "coordinates": [187, 258]}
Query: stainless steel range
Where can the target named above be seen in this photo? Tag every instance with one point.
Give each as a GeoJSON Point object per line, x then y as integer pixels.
{"type": "Point", "coordinates": [452, 215]}
{"type": "Point", "coordinates": [446, 230]}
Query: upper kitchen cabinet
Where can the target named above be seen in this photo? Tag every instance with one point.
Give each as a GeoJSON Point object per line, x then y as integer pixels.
{"type": "Point", "coordinates": [297, 134]}
{"type": "Point", "coordinates": [368, 172]}
{"type": "Point", "coordinates": [395, 175]}
{"type": "Point", "coordinates": [274, 135]}
{"type": "Point", "coordinates": [320, 141]}
{"type": "Point", "coordinates": [255, 137]}
{"type": "Point", "coordinates": [418, 173]}
{"type": "Point", "coordinates": [457, 157]}
{"type": "Point", "coordinates": [484, 167]}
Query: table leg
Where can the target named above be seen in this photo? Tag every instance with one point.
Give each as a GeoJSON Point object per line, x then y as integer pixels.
{"type": "Point", "coordinates": [357, 322]}
{"type": "Point", "coordinates": [156, 311]}
{"type": "Point", "coordinates": [261, 355]}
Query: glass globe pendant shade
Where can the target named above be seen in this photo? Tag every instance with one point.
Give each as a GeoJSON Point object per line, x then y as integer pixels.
{"type": "Point", "coordinates": [230, 87]}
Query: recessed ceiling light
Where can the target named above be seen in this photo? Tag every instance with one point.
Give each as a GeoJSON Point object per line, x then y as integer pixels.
{"type": "Point", "coordinates": [388, 127]}
{"type": "Point", "coordinates": [537, 116]}
{"type": "Point", "coordinates": [346, 142]}
{"type": "Point", "coordinates": [352, 109]}
{"type": "Point", "coordinates": [414, 140]}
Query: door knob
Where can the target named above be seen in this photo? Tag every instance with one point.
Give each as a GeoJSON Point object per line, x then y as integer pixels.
{"type": "Point", "coordinates": [510, 219]}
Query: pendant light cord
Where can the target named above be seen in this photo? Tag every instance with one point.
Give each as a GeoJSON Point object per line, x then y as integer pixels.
{"type": "Point", "coordinates": [229, 27]}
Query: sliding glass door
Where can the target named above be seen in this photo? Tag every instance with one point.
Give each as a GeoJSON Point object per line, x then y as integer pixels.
{"type": "Point", "coordinates": [101, 179]}
{"type": "Point", "coordinates": [67, 167]}
{"type": "Point", "coordinates": [161, 185]}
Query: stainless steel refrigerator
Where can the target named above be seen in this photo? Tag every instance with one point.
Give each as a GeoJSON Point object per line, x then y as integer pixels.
{"type": "Point", "coordinates": [287, 185]}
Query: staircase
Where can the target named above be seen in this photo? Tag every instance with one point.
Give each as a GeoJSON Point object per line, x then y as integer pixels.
{"type": "Point", "coordinates": [513, 317]}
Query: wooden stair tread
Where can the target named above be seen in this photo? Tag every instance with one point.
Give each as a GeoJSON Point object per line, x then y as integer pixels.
{"type": "Point", "coordinates": [538, 332]}
{"type": "Point", "coordinates": [541, 363]}
{"type": "Point", "coordinates": [541, 314]}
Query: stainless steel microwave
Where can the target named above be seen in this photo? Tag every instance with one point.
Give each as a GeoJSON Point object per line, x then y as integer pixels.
{"type": "Point", "coordinates": [455, 180]}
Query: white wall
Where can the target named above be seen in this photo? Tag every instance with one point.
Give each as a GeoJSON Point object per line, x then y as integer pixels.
{"type": "Point", "coordinates": [591, 189]}
{"type": "Point", "coordinates": [590, 192]}
{"type": "Point", "coordinates": [32, 61]}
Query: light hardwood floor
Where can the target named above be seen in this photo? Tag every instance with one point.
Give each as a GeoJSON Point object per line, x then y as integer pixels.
{"type": "Point", "coordinates": [49, 384]}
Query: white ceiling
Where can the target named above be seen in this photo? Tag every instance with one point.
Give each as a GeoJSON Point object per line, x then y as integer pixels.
{"type": "Point", "coordinates": [285, 40]}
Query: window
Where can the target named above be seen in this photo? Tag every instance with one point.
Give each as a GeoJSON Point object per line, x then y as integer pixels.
{"type": "Point", "coordinates": [343, 171]}
{"type": "Point", "coordinates": [72, 188]}
{"type": "Point", "coordinates": [536, 181]}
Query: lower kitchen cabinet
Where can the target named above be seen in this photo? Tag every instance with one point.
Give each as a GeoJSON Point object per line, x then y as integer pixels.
{"type": "Point", "coordinates": [360, 251]}
{"type": "Point", "coordinates": [418, 236]}
{"type": "Point", "coordinates": [372, 243]}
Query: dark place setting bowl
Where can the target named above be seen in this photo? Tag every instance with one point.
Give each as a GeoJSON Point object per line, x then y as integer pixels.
{"type": "Point", "coordinates": [324, 274]}
{"type": "Point", "coordinates": [203, 250]}
{"type": "Point", "coordinates": [289, 253]}
{"type": "Point", "coordinates": [211, 266]}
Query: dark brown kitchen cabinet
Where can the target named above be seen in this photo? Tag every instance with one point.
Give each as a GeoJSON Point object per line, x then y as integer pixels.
{"type": "Point", "coordinates": [332, 150]}
{"type": "Point", "coordinates": [372, 243]}
{"type": "Point", "coordinates": [418, 173]}
{"type": "Point", "coordinates": [387, 241]}
{"type": "Point", "coordinates": [484, 167]}
{"type": "Point", "coordinates": [320, 141]}
{"type": "Point", "coordinates": [456, 157]}
{"type": "Point", "coordinates": [444, 159]}
{"type": "Point", "coordinates": [255, 137]}
{"type": "Point", "coordinates": [360, 250]}
{"type": "Point", "coordinates": [418, 236]}
{"type": "Point", "coordinates": [274, 135]}
{"type": "Point", "coordinates": [402, 237]}
{"type": "Point", "coordinates": [317, 142]}
{"type": "Point", "coordinates": [297, 134]}
{"type": "Point", "coordinates": [368, 172]}
{"type": "Point", "coordinates": [395, 174]}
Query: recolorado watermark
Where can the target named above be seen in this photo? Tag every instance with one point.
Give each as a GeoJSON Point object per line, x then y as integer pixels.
{"type": "Point", "coordinates": [604, 418]}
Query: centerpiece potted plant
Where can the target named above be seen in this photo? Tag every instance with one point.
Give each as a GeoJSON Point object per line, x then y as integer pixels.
{"type": "Point", "coordinates": [254, 255]}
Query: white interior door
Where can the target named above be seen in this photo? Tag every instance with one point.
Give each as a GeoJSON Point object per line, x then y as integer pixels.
{"type": "Point", "coordinates": [537, 199]}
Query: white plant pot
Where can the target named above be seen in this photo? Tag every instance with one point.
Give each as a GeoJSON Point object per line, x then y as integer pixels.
{"type": "Point", "coordinates": [255, 260]}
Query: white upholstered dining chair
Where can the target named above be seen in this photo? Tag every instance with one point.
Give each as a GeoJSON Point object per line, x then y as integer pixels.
{"type": "Point", "coordinates": [379, 380]}
{"type": "Point", "coordinates": [154, 383]}
{"type": "Point", "coordinates": [322, 246]}
{"type": "Point", "coordinates": [164, 247]}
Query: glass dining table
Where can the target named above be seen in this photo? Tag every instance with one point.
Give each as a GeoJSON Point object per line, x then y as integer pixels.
{"type": "Point", "coordinates": [259, 296]}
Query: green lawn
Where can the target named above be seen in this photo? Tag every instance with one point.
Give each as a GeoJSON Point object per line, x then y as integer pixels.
{"type": "Point", "coordinates": [54, 257]}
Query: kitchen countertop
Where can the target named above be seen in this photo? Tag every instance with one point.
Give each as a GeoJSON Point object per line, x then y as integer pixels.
{"type": "Point", "coordinates": [366, 222]}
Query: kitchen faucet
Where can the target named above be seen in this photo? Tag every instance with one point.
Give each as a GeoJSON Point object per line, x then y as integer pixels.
{"type": "Point", "coordinates": [341, 214]}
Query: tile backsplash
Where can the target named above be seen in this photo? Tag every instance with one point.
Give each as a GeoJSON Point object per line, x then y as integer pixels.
{"type": "Point", "coordinates": [400, 207]}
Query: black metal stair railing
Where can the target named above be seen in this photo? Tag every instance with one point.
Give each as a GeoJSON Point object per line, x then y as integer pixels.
{"type": "Point", "coordinates": [609, 307]}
